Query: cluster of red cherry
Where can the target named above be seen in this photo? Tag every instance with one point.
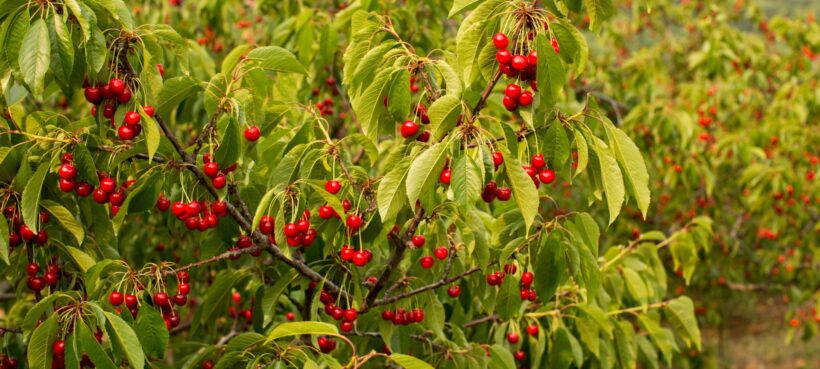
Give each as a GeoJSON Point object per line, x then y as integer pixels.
{"type": "Point", "coordinates": [404, 317]}
{"type": "Point", "coordinates": [199, 215]}
{"type": "Point", "coordinates": [235, 312]}
{"type": "Point", "coordinates": [538, 171]}
{"type": "Point", "coordinates": [160, 299]}
{"type": "Point", "coordinates": [243, 242]}
{"type": "Point", "coordinates": [115, 93]}
{"type": "Point", "coordinates": [345, 317]}
{"type": "Point", "coordinates": [58, 353]}
{"type": "Point", "coordinates": [20, 232]}
{"type": "Point", "coordinates": [8, 362]}
{"type": "Point", "coordinates": [299, 233]}
{"type": "Point", "coordinates": [217, 175]}
{"type": "Point", "coordinates": [49, 278]}
{"type": "Point", "coordinates": [518, 66]}
{"type": "Point", "coordinates": [359, 258]}
{"type": "Point", "coordinates": [107, 192]}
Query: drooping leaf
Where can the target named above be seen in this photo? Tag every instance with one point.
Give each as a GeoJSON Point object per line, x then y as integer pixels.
{"type": "Point", "coordinates": [66, 219]}
{"type": "Point", "coordinates": [152, 333]}
{"type": "Point", "coordinates": [523, 189]}
{"type": "Point", "coordinates": [35, 56]}
{"type": "Point", "coordinates": [39, 353]}
{"type": "Point", "coordinates": [681, 313]}
{"type": "Point", "coordinates": [300, 328]}
{"type": "Point", "coordinates": [408, 362]}
{"type": "Point", "coordinates": [30, 204]}
{"type": "Point", "coordinates": [124, 337]}
{"type": "Point", "coordinates": [274, 58]}
{"type": "Point", "coordinates": [423, 176]}
{"type": "Point", "coordinates": [174, 91]}
{"type": "Point", "coordinates": [392, 193]}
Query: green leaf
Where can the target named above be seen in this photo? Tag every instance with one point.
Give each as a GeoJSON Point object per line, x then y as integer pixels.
{"type": "Point", "coordinates": [66, 219]}
{"type": "Point", "coordinates": [174, 91]}
{"type": "Point", "coordinates": [408, 362]}
{"type": "Point", "coordinates": [123, 336]}
{"type": "Point", "coordinates": [523, 189]}
{"type": "Point", "coordinates": [4, 242]}
{"type": "Point", "coordinates": [467, 181]}
{"type": "Point", "coordinates": [501, 358]}
{"type": "Point", "coordinates": [560, 352]}
{"type": "Point", "coordinates": [583, 151]}
{"type": "Point", "coordinates": [635, 285]}
{"type": "Point", "coordinates": [218, 295]}
{"type": "Point", "coordinates": [625, 344]}
{"type": "Point", "coordinates": [83, 260]}
{"type": "Point", "coordinates": [152, 333]}
{"type": "Point", "coordinates": [86, 169]}
{"type": "Point", "coordinates": [399, 96]}
{"type": "Point", "coordinates": [461, 6]}
{"type": "Point", "coordinates": [551, 75]}
{"type": "Point", "coordinates": [599, 11]}
{"type": "Point", "coordinates": [443, 114]}
{"type": "Point", "coordinates": [272, 294]}
{"type": "Point", "coordinates": [152, 136]}
{"type": "Point", "coordinates": [392, 193]}
{"type": "Point", "coordinates": [39, 354]}
{"type": "Point", "coordinates": [613, 181]}
{"type": "Point", "coordinates": [35, 56]}
{"type": "Point", "coordinates": [31, 196]}
{"type": "Point", "coordinates": [550, 267]}
{"type": "Point", "coordinates": [96, 51]}
{"type": "Point", "coordinates": [119, 11]}
{"type": "Point", "coordinates": [370, 104]}
{"type": "Point", "coordinates": [274, 58]}
{"type": "Point", "coordinates": [423, 176]}
{"type": "Point", "coordinates": [471, 36]}
{"type": "Point", "coordinates": [72, 352]}
{"type": "Point", "coordinates": [84, 16]}
{"type": "Point", "coordinates": [63, 50]}
{"type": "Point", "coordinates": [300, 328]}
{"type": "Point", "coordinates": [681, 313]}
{"type": "Point", "coordinates": [90, 346]}
{"type": "Point", "coordinates": [508, 300]}
{"type": "Point", "coordinates": [231, 145]}
{"type": "Point", "coordinates": [632, 165]}
{"type": "Point", "coordinates": [661, 337]}
{"type": "Point", "coordinates": [567, 34]}
{"type": "Point", "coordinates": [556, 145]}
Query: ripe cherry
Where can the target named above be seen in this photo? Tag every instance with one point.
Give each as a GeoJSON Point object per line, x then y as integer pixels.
{"type": "Point", "coordinates": [83, 189]}
{"type": "Point", "coordinates": [546, 176]}
{"type": "Point", "coordinates": [418, 240]}
{"type": "Point", "coordinates": [163, 203]}
{"type": "Point", "coordinates": [441, 252]}
{"type": "Point", "coordinates": [498, 158]}
{"type": "Point", "coordinates": [346, 326]}
{"type": "Point", "coordinates": [513, 90]}
{"type": "Point", "coordinates": [492, 279]}
{"type": "Point", "coordinates": [426, 262]}
{"type": "Point", "coordinates": [266, 225]}
{"type": "Point", "coordinates": [116, 298]}
{"type": "Point", "coordinates": [160, 299]}
{"type": "Point", "coordinates": [519, 355]}
{"type": "Point", "coordinates": [538, 162]}
{"type": "Point", "coordinates": [351, 314]}
{"type": "Point", "coordinates": [525, 99]}
{"type": "Point", "coordinates": [509, 103]}
{"type": "Point", "coordinates": [117, 86]}
{"type": "Point", "coordinates": [219, 182]}
{"type": "Point", "coordinates": [503, 56]}
{"type": "Point", "coordinates": [67, 185]}
{"type": "Point", "coordinates": [108, 184]}
{"type": "Point", "coordinates": [93, 95]}
{"type": "Point", "coordinates": [184, 288]}
{"type": "Point", "coordinates": [532, 59]}
{"type": "Point", "coordinates": [500, 41]}
{"type": "Point", "coordinates": [519, 62]}
{"type": "Point", "coordinates": [503, 193]}
{"type": "Point", "coordinates": [290, 316]}
{"type": "Point", "coordinates": [346, 253]}
{"type": "Point", "coordinates": [36, 283]}
{"type": "Point", "coordinates": [58, 347]}
{"type": "Point", "coordinates": [527, 278]}
{"type": "Point", "coordinates": [532, 330]}
{"type": "Point", "coordinates": [67, 171]}
{"type": "Point", "coordinates": [354, 222]}
{"type": "Point", "coordinates": [252, 133]}
{"type": "Point", "coordinates": [149, 110]}
{"type": "Point", "coordinates": [207, 364]}
{"type": "Point", "coordinates": [325, 212]}
{"type": "Point", "coordinates": [409, 128]}
{"type": "Point", "coordinates": [125, 96]}
{"type": "Point", "coordinates": [126, 133]}
{"type": "Point", "coordinates": [130, 301]}
{"type": "Point", "coordinates": [359, 258]}
{"type": "Point", "coordinates": [423, 137]}
{"type": "Point", "coordinates": [512, 338]}
{"type": "Point", "coordinates": [27, 233]}
{"type": "Point", "coordinates": [333, 186]}
{"type": "Point", "coordinates": [454, 291]}
{"type": "Point", "coordinates": [445, 176]}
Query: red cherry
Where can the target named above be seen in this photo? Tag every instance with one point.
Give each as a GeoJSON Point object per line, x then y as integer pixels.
{"type": "Point", "coordinates": [67, 185]}
{"type": "Point", "coordinates": [117, 86]}
{"type": "Point", "coordinates": [108, 184]}
{"type": "Point", "coordinates": [492, 279]}
{"type": "Point", "coordinates": [116, 298]}
{"type": "Point", "coordinates": [532, 330]}
{"type": "Point", "coordinates": [83, 189]}
{"type": "Point", "coordinates": [409, 128]}
{"type": "Point", "coordinates": [149, 110]}
{"type": "Point", "coordinates": [178, 208]}
{"type": "Point", "coordinates": [525, 99]}
{"type": "Point", "coordinates": [163, 203]}
{"type": "Point", "coordinates": [388, 315]}
{"type": "Point", "coordinates": [512, 338]}
{"type": "Point", "coordinates": [423, 137]}
{"type": "Point", "coordinates": [291, 230]}
{"type": "Point", "coordinates": [426, 262]}
{"type": "Point", "coordinates": [58, 347]}
{"type": "Point", "coordinates": [26, 233]}
{"type": "Point", "coordinates": [346, 326]}
{"type": "Point", "coordinates": [211, 169]}
{"type": "Point", "coordinates": [100, 196]}
{"type": "Point", "coordinates": [266, 225]}
{"type": "Point", "coordinates": [359, 258]}
{"type": "Point", "coordinates": [498, 158]}
{"type": "Point", "coordinates": [346, 205]}
{"type": "Point", "coordinates": [333, 186]}
{"type": "Point", "coordinates": [519, 355]}
{"type": "Point", "coordinates": [160, 299]}
{"type": "Point", "coordinates": [130, 301]}
{"type": "Point", "coordinates": [418, 240]}
{"type": "Point", "coordinates": [503, 193]}
{"type": "Point", "coordinates": [184, 288]}
{"type": "Point", "coordinates": [219, 182]}
{"type": "Point", "coordinates": [354, 221]}
{"type": "Point", "coordinates": [503, 56]}
{"type": "Point", "coordinates": [351, 314]}
{"type": "Point", "coordinates": [290, 316]}
{"type": "Point", "coordinates": [532, 59]}
{"type": "Point", "coordinates": [513, 90]}
{"type": "Point", "coordinates": [509, 103]}
{"type": "Point", "coordinates": [207, 364]}
{"type": "Point", "coordinates": [32, 269]}
{"type": "Point", "coordinates": [252, 133]}
{"type": "Point", "coordinates": [346, 253]}
{"type": "Point", "coordinates": [125, 96]}
{"type": "Point", "coordinates": [67, 171]}
{"type": "Point", "coordinates": [93, 95]}
{"type": "Point", "coordinates": [441, 252]}
{"type": "Point", "coordinates": [36, 283]}
{"type": "Point", "coordinates": [547, 176]}
{"type": "Point", "coordinates": [454, 291]}
{"type": "Point", "coordinates": [500, 41]}
{"type": "Point", "coordinates": [160, 68]}
{"type": "Point", "coordinates": [193, 208]}
{"type": "Point", "coordinates": [538, 162]}
{"type": "Point", "coordinates": [126, 133]}
{"type": "Point", "coordinates": [325, 212]}
{"type": "Point", "coordinates": [519, 62]}
{"type": "Point", "coordinates": [132, 118]}
{"type": "Point", "coordinates": [527, 278]}
{"type": "Point", "coordinates": [445, 176]}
